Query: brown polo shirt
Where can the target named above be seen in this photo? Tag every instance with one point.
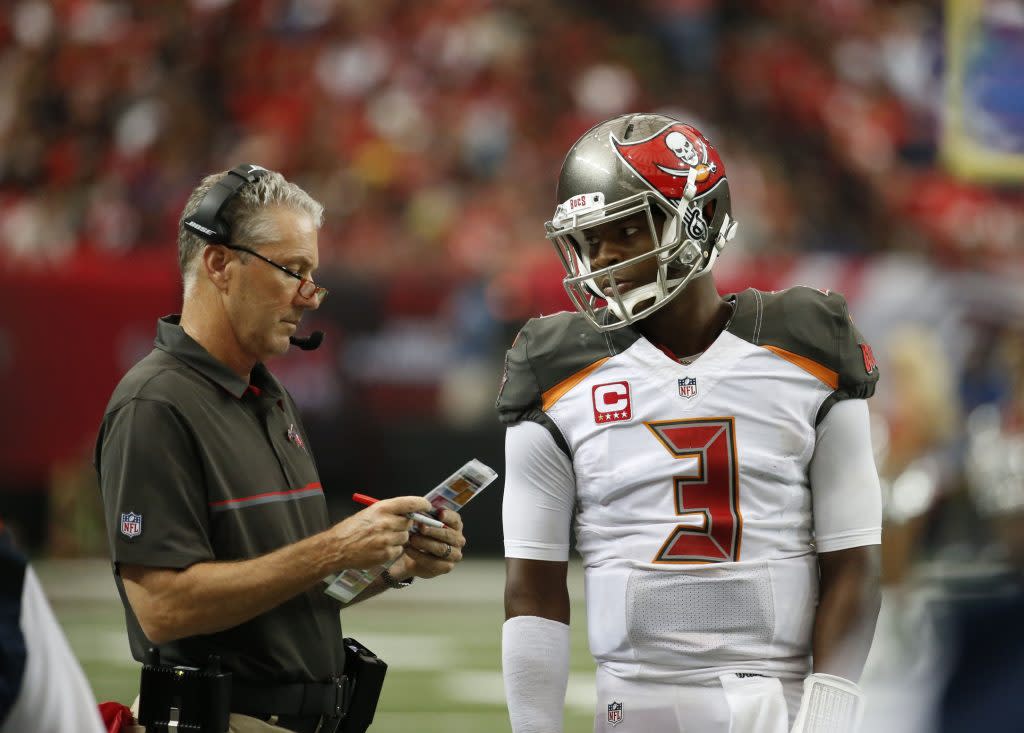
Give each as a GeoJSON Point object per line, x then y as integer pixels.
{"type": "Point", "coordinates": [195, 465]}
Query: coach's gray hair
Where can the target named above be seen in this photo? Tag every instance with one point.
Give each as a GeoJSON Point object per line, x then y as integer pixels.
{"type": "Point", "coordinates": [244, 215]}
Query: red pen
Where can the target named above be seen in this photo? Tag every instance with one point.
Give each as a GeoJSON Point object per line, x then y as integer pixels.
{"type": "Point", "coordinates": [414, 516]}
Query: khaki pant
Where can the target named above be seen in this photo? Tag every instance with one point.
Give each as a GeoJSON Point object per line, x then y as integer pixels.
{"type": "Point", "coordinates": [236, 724]}
{"type": "Point", "coordinates": [244, 724]}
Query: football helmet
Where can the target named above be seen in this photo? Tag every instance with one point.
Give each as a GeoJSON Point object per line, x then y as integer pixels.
{"type": "Point", "coordinates": [640, 163]}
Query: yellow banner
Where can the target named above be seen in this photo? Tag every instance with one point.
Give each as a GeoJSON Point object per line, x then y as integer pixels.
{"type": "Point", "coordinates": [983, 130]}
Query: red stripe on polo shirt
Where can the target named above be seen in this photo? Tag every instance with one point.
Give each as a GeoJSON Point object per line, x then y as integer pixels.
{"type": "Point", "coordinates": [266, 494]}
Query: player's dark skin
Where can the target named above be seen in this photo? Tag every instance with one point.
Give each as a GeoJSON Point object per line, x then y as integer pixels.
{"type": "Point", "coordinates": [849, 590]}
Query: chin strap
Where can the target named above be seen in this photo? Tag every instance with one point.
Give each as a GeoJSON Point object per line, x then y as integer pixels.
{"type": "Point", "coordinates": [669, 234]}
{"type": "Point", "coordinates": [725, 233]}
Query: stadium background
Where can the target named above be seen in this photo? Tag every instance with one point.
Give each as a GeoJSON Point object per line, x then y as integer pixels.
{"type": "Point", "coordinates": [874, 148]}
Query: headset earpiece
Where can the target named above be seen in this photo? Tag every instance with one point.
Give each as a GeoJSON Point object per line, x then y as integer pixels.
{"type": "Point", "coordinates": [207, 222]}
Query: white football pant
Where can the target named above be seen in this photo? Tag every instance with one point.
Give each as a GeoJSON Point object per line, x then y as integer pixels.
{"type": "Point", "coordinates": [735, 705]}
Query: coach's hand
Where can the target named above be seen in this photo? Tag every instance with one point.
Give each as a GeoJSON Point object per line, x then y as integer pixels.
{"type": "Point", "coordinates": [431, 551]}
{"type": "Point", "coordinates": [377, 534]}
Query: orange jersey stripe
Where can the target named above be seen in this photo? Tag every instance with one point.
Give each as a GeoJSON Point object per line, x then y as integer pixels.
{"type": "Point", "coordinates": [553, 395]}
{"type": "Point", "coordinates": [826, 375]}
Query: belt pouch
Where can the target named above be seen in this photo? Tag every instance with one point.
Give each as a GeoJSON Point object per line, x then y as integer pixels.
{"type": "Point", "coordinates": [185, 698]}
{"type": "Point", "coordinates": [365, 672]}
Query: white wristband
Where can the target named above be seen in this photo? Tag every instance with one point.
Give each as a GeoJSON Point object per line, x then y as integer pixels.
{"type": "Point", "coordinates": [535, 665]}
{"type": "Point", "coordinates": [829, 704]}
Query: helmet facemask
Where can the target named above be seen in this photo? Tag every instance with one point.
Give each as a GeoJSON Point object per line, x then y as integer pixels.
{"type": "Point", "coordinates": [680, 248]}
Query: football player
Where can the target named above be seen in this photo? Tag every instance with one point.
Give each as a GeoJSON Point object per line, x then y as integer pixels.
{"type": "Point", "coordinates": [713, 453]}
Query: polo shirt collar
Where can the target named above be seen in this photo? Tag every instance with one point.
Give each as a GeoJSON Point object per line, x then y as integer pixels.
{"type": "Point", "coordinates": [171, 338]}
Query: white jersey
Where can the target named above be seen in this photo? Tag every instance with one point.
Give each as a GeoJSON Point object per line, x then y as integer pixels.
{"type": "Point", "coordinates": [45, 688]}
{"type": "Point", "coordinates": [692, 501]}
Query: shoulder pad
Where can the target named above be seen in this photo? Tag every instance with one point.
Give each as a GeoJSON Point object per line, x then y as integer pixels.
{"type": "Point", "coordinates": [815, 327]}
{"type": "Point", "coordinates": [547, 352]}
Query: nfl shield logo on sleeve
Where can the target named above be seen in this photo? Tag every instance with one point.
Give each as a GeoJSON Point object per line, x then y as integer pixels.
{"type": "Point", "coordinates": [615, 713]}
{"type": "Point", "coordinates": [131, 524]}
{"type": "Point", "coordinates": [688, 387]}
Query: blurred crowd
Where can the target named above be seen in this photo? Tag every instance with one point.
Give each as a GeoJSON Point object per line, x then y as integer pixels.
{"type": "Point", "coordinates": [873, 146]}
{"type": "Point", "coordinates": [433, 131]}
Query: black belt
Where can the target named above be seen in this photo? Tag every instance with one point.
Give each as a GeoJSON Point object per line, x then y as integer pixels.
{"type": "Point", "coordinates": [329, 699]}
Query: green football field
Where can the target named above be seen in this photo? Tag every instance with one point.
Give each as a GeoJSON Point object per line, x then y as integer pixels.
{"type": "Point", "coordinates": [440, 638]}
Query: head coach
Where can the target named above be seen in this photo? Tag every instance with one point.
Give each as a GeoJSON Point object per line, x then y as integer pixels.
{"type": "Point", "coordinates": [216, 518]}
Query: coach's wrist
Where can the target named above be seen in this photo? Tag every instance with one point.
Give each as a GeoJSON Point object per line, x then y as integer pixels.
{"type": "Point", "coordinates": [327, 554]}
{"type": "Point", "coordinates": [392, 582]}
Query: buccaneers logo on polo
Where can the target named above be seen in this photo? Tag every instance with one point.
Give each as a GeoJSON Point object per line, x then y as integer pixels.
{"type": "Point", "coordinates": [665, 159]}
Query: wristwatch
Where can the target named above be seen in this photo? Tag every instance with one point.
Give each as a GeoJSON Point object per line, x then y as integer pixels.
{"type": "Point", "coordinates": [391, 582]}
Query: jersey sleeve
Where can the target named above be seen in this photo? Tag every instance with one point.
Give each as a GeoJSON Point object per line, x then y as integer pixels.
{"type": "Point", "coordinates": [539, 495]}
{"type": "Point", "coordinates": [846, 496]}
{"type": "Point", "coordinates": [548, 353]}
{"type": "Point", "coordinates": [811, 328]}
{"type": "Point", "coordinates": [54, 693]}
{"type": "Point", "coordinates": [153, 487]}
{"type": "Point", "coordinates": [520, 396]}
{"type": "Point", "coordinates": [855, 362]}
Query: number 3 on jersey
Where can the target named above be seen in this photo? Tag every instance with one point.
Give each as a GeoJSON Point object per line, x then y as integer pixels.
{"type": "Point", "coordinates": [712, 492]}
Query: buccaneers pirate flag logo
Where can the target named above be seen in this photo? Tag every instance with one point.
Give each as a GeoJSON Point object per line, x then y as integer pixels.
{"type": "Point", "coordinates": [664, 160]}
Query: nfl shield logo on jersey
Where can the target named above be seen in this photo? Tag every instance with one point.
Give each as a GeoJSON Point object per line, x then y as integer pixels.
{"type": "Point", "coordinates": [615, 713]}
{"type": "Point", "coordinates": [131, 524]}
{"type": "Point", "coordinates": [688, 387]}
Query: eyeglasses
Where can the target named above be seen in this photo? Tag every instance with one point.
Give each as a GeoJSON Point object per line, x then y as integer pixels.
{"type": "Point", "coordinates": [307, 288]}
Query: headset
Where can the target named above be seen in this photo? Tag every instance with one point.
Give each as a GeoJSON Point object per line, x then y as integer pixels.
{"type": "Point", "coordinates": [207, 223]}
